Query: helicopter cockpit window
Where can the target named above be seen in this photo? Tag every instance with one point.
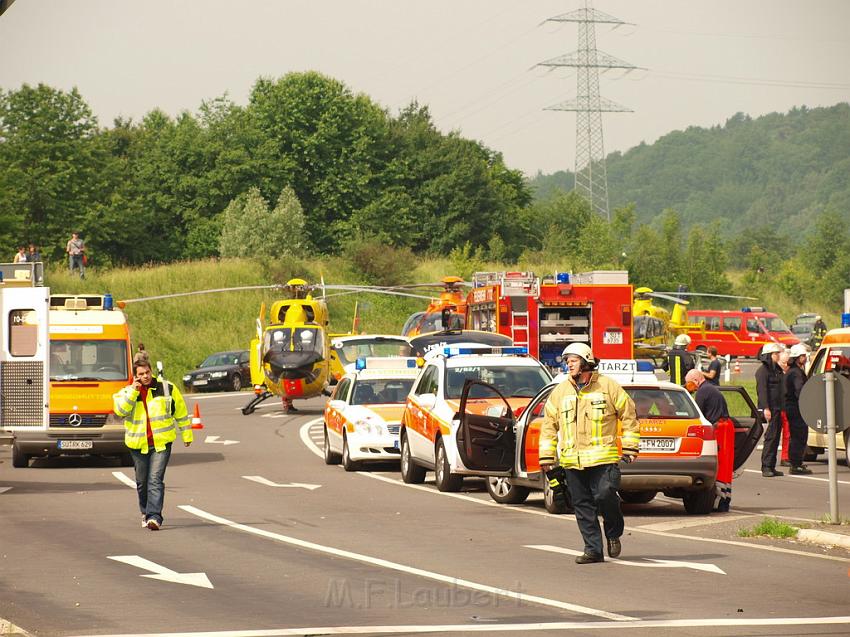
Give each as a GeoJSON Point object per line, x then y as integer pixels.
{"type": "Point", "coordinates": [433, 322]}
{"type": "Point", "coordinates": [299, 339]}
{"type": "Point", "coordinates": [648, 327]}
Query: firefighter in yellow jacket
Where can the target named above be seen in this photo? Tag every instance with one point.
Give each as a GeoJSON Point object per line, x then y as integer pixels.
{"type": "Point", "coordinates": [153, 413]}
{"type": "Point", "coordinates": [579, 433]}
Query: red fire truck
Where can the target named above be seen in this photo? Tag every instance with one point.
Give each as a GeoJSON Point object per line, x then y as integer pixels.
{"type": "Point", "coordinates": [546, 316]}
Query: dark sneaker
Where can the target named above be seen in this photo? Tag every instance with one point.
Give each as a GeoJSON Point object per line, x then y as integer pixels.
{"type": "Point", "coordinates": [800, 470]}
{"type": "Point", "coordinates": [614, 547]}
{"type": "Point", "coordinates": [771, 473]}
{"type": "Point", "coordinates": [153, 525]}
{"type": "Point", "coordinates": [589, 558]}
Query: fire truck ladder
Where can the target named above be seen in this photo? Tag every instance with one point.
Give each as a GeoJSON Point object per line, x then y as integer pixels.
{"type": "Point", "coordinates": [519, 328]}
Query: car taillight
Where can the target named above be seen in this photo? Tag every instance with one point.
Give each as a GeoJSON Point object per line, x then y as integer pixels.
{"type": "Point", "coordinates": [706, 432]}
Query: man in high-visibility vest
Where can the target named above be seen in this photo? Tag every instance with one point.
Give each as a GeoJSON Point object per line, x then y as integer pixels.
{"type": "Point", "coordinates": [583, 412]}
{"type": "Point", "coordinates": [679, 362]}
{"type": "Point", "coordinates": [153, 413]}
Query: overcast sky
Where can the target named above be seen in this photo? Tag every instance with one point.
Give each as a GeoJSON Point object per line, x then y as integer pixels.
{"type": "Point", "coordinates": [470, 61]}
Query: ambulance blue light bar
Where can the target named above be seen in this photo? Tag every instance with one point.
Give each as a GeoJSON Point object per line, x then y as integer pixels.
{"type": "Point", "coordinates": [504, 351]}
{"type": "Point", "coordinates": [389, 362]}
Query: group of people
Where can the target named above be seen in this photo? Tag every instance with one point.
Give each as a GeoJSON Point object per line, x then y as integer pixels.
{"type": "Point", "coordinates": [75, 249]}
{"type": "Point", "coordinates": [26, 254]}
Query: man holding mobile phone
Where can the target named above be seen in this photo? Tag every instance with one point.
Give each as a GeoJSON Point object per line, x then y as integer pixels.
{"type": "Point", "coordinates": [153, 413]}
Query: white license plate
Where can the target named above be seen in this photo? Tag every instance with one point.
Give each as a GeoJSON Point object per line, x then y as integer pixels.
{"type": "Point", "coordinates": [658, 444]}
{"type": "Point", "coordinates": [75, 444]}
{"type": "Point", "coordinates": [200, 382]}
{"type": "Point", "coordinates": [612, 338]}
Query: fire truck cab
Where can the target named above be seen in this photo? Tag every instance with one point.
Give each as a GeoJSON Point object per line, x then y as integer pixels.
{"type": "Point", "coordinates": [24, 401]}
{"type": "Point", "coordinates": [547, 315]}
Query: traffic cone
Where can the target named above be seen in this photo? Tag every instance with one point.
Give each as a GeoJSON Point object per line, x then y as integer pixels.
{"type": "Point", "coordinates": [196, 418]}
{"type": "Point", "coordinates": [737, 368]}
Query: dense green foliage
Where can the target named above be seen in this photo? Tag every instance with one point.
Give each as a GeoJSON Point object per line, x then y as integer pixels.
{"type": "Point", "coordinates": [157, 190]}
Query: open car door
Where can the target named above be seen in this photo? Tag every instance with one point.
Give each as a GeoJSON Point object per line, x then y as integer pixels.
{"type": "Point", "coordinates": [486, 437]}
{"type": "Point", "coordinates": [747, 419]}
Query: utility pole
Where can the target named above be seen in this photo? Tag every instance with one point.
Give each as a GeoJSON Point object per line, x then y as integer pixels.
{"type": "Point", "coordinates": [591, 176]}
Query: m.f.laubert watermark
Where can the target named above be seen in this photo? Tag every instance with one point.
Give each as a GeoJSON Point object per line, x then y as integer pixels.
{"type": "Point", "coordinates": [393, 594]}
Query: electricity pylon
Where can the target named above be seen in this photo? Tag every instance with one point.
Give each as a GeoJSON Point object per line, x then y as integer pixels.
{"type": "Point", "coordinates": [590, 172]}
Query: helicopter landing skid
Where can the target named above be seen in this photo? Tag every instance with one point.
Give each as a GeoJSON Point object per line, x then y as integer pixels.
{"type": "Point", "coordinates": [256, 400]}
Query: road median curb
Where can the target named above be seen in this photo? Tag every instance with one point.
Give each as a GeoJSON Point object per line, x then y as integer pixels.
{"type": "Point", "coordinates": [824, 538]}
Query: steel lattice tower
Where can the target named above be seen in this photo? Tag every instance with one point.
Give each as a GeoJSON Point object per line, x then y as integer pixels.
{"type": "Point", "coordinates": [591, 177]}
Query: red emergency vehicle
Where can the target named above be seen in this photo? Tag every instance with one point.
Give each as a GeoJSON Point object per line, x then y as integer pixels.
{"type": "Point", "coordinates": [546, 316]}
{"type": "Point", "coordinates": [738, 333]}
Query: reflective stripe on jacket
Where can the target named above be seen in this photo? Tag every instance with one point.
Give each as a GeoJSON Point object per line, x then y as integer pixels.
{"type": "Point", "coordinates": [586, 421]}
{"type": "Point", "coordinates": [167, 416]}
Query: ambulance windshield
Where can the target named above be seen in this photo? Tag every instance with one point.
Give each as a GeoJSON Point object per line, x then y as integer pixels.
{"type": "Point", "coordinates": [88, 360]}
{"type": "Point", "coordinates": [511, 381]}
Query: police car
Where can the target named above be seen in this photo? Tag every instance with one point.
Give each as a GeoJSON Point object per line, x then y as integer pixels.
{"type": "Point", "coordinates": [361, 419]}
{"type": "Point", "coordinates": [678, 451]}
{"type": "Point", "coordinates": [429, 424]}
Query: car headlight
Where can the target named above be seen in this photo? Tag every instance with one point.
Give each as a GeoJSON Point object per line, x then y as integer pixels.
{"type": "Point", "coordinates": [218, 374]}
{"type": "Point", "coordinates": [187, 378]}
{"type": "Point", "coordinates": [368, 427]}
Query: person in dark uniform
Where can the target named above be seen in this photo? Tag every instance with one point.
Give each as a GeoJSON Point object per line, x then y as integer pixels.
{"type": "Point", "coordinates": [795, 378]}
{"type": "Point", "coordinates": [679, 362]}
{"type": "Point", "coordinates": [770, 388]}
{"type": "Point", "coordinates": [712, 374]}
{"type": "Point", "coordinates": [818, 332]}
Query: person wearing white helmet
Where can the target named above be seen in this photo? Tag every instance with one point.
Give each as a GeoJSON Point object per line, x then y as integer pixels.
{"type": "Point", "coordinates": [770, 389]}
{"type": "Point", "coordinates": [679, 362]}
{"type": "Point", "coordinates": [583, 412]}
{"type": "Point", "coordinates": [795, 378]}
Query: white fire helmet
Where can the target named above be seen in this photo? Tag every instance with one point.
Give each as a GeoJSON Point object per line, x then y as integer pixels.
{"type": "Point", "coordinates": [798, 350]}
{"type": "Point", "coordinates": [682, 340]}
{"type": "Point", "coordinates": [772, 348]}
{"type": "Point", "coordinates": [581, 350]}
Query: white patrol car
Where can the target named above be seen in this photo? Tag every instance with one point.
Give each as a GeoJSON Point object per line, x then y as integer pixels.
{"type": "Point", "coordinates": [429, 422]}
{"type": "Point", "coordinates": [363, 414]}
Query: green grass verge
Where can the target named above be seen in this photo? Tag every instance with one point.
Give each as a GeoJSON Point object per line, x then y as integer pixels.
{"type": "Point", "coordinates": [770, 527]}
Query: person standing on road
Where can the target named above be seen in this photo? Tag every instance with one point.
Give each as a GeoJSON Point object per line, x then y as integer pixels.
{"type": "Point", "coordinates": [770, 389]}
{"type": "Point", "coordinates": [583, 412]}
{"type": "Point", "coordinates": [713, 406]}
{"type": "Point", "coordinates": [786, 429]}
{"type": "Point", "coordinates": [712, 374]}
{"type": "Point", "coordinates": [679, 362]}
{"type": "Point", "coordinates": [794, 381]}
{"type": "Point", "coordinates": [76, 249]}
{"type": "Point", "coordinates": [153, 412]}
{"type": "Point", "coordinates": [818, 332]}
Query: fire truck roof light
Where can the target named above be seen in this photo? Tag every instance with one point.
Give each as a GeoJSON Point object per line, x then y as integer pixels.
{"type": "Point", "coordinates": [467, 351]}
{"type": "Point", "coordinates": [753, 309]}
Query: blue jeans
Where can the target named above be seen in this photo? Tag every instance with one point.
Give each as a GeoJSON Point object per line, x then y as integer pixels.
{"type": "Point", "coordinates": [76, 261]}
{"type": "Point", "coordinates": [150, 485]}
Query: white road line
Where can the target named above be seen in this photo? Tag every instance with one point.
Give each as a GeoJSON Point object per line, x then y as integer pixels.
{"type": "Point", "coordinates": [160, 572]}
{"type": "Point", "coordinates": [506, 628]}
{"type": "Point", "coordinates": [799, 477]}
{"type": "Point", "coordinates": [4, 489]}
{"type": "Point", "coordinates": [649, 563]}
{"type": "Point", "coordinates": [518, 509]}
{"type": "Point", "coordinates": [745, 513]}
{"type": "Point", "coordinates": [683, 524]}
{"type": "Point", "coordinates": [291, 485]}
{"type": "Point", "coordinates": [395, 566]}
{"type": "Point", "coordinates": [123, 478]}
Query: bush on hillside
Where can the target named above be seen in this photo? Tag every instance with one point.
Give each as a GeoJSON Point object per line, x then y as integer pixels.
{"type": "Point", "coordinates": [379, 263]}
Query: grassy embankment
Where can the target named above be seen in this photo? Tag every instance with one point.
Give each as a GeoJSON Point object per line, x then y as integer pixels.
{"type": "Point", "coordinates": [182, 331]}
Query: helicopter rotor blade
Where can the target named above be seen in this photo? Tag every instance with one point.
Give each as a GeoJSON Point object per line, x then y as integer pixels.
{"type": "Point", "coordinates": [196, 292]}
{"type": "Point", "coordinates": [718, 296]}
{"type": "Point", "coordinates": [348, 289]}
{"type": "Point", "coordinates": [667, 297]}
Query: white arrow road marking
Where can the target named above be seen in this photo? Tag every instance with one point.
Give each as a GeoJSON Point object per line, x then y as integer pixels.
{"type": "Point", "coordinates": [123, 478]}
{"type": "Point", "coordinates": [376, 562]}
{"type": "Point", "coordinates": [214, 440]}
{"type": "Point", "coordinates": [162, 573]}
{"type": "Point", "coordinates": [708, 568]}
{"type": "Point", "coordinates": [269, 483]}
{"type": "Point", "coordinates": [4, 489]}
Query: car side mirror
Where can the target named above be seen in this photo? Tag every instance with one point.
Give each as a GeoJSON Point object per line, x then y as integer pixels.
{"type": "Point", "coordinates": [427, 401]}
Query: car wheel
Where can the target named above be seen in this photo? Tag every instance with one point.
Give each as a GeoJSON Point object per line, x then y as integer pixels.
{"type": "Point", "coordinates": [236, 382]}
{"type": "Point", "coordinates": [330, 456]}
{"type": "Point", "coordinates": [411, 473]}
{"type": "Point", "coordinates": [637, 497]}
{"type": "Point", "coordinates": [555, 503]}
{"type": "Point", "coordinates": [699, 502]}
{"type": "Point", "coordinates": [20, 460]}
{"type": "Point", "coordinates": [503, 491]}
{"type": "Point", "coordinates": [347, 463]}
{"type": "Point", "coordinates": [811, 454]}
{"type": "Point", "coordinates": [126, 460]}
{"type": "Point", "coordinates": [443, 476]}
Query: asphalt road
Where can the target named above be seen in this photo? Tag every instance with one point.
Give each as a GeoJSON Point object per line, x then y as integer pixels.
{"type": "Point", "coordinates": [290, 546]}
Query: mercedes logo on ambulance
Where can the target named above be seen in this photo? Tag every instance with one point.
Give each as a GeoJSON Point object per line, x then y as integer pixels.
{"type": "Point", "coordinates": [75, 420]}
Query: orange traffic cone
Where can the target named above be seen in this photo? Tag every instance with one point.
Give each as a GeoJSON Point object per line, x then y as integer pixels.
{"type": "Point", "coordinates": [737, 368]}
{"type": "Point", "coordinates": [196, 419]}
